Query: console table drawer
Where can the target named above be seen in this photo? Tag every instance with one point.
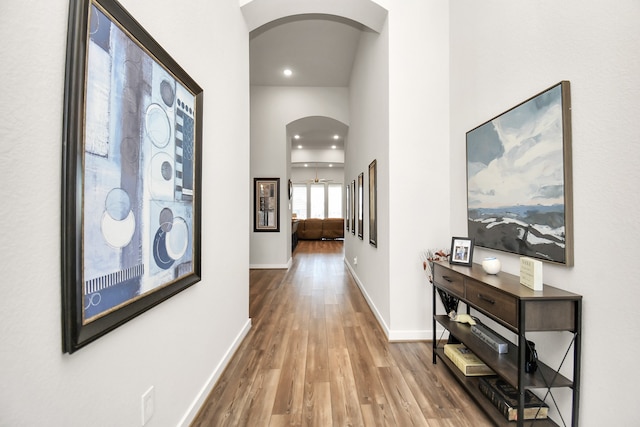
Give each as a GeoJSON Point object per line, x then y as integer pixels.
{"type": "Point", "coordinates": [493, 301]}
{"type": "Point", "coordinates": [449, 280]}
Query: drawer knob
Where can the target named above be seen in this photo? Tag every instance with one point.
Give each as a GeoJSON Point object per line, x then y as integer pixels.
{"type": "Point", "coordinates": [487, 299]}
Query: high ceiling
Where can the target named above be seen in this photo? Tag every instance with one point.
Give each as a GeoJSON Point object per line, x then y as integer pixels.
{"type": "Point", "coordinates": [319, 50]}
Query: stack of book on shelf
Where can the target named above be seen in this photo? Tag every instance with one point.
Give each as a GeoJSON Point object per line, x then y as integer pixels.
{"type": "Point", "coordinates": [505, 397]}
{"type": "Point", "coordinates": [466, 361]}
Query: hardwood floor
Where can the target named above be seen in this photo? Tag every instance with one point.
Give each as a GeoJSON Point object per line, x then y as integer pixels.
{"type": "Point", "coordinates": [316, 356]}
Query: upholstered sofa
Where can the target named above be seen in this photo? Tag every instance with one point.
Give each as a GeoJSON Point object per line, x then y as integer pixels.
{"type": "Point", "coordinates": [318, 229]}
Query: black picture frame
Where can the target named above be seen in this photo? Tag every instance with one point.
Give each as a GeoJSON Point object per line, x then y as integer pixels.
{"type": "Point", "coordinates": [353, 207]}
{"type": "Point", "coordinates": [266, 205]}
{"type": "Point", "coordinates": [131, 174]}
{"type": "Point", "coordinates": [361, 206]}
{"type": "Point", "coordinates": [461, 251]}
{"type": "Point", "coordinates": [373, 203]}
{"type": "Point", "coordinates": [347, 207]}
{"type": "Point", "coordinates": [519, 179]}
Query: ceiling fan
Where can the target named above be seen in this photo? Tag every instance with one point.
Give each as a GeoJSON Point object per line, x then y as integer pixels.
{"type": "Point", "coordinates": [318, 180]}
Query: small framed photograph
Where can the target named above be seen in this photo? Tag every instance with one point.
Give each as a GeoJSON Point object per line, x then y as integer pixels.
{"type": "Point", "coordinates": [461, 251]}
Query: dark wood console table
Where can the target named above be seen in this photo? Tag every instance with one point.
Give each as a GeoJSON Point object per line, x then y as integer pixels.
{"type": "Point", "coordinates": [503, 299]}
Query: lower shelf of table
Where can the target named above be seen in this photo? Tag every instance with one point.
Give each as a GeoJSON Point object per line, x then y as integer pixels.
{"type": "Point", "coordinates": [470, 384]}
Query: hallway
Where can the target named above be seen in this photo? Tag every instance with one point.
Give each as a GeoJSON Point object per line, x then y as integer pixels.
{"type": "Point", "coordinates": [316, 356]}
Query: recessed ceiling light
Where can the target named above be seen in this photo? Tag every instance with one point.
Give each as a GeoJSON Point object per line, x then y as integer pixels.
{"type": "Point", "coordinates": [306, 165]}
{"type": "Point", "coordinates": [336, 136]}
{"type": "Point", "coordinates": [330, 165]}
{"type": "Point", "coordinates": [296, 136]}
{"type": "Point", "coordinates": [287, 72]}
{"type": "Point", "coordinates": [333, 147]}
{"type": "Point", "coordinates": [299, 146]}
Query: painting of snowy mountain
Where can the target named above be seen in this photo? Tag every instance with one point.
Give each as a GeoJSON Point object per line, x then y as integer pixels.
{"type": "Point", "coordinates": [519, 195]}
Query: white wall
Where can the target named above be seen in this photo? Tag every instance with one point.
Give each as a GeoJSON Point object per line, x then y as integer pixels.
{"type": "Point", "coordinates": [501, 54]}
{"type": "Point", "coordinates": [176, 347]}
{"type": "Point", "coordinates": [369, 140]}
{"type": "Point", "coordinates": [272, 109]}
{"type": "Point", "coordinates": [417, 157]}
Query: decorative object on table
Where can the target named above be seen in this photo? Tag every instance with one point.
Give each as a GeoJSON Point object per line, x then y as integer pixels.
{"type": "Point", "coordinates": [429, 256]}
{"type": "Point", "coordinates": [491, 338]}
{"type": "Point", "coordinates": [531, 273]}
{"type": "Point", "coordinates": [266, 204]}
{"type": "Point", "coordinates": [361, 206]}
{"type": "Point", "coordinates": [519, 185]}
{"type": "Point", "coordinates": [461, 251]}
{"type": "Point", "coordinates": [132, 156]}
{"type": "Point", "coordinates": [468, 363]}
{"type": "Point", "coordinates": [462, 318]}
{"type": "Point", "coordinates": [531, 358]}
{"type": "Point", "coordinates": [491, 265]}
{"type": "Point", "coordinates": [373, 204]}
{"type": "Point", "coordinates": [505, 398]}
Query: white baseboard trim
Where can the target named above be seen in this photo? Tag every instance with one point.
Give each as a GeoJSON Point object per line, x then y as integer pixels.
{"type": "Point", "coordinates": [213, 378]}
{"type": "Point", "coordinates": [272, 266]}
{"type": "Point", "coordinates": [401, 336]}
{"type": "Point", "coordinates": [372, 306]}
{"type": "Point", "coordinates": [393, 335]}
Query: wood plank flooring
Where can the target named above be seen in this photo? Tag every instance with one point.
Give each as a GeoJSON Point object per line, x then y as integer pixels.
{"type": "Point", "coordinates": [316, 356]}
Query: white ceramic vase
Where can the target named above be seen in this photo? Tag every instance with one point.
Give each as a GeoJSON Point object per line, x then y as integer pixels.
{"type": "Point", "coordinates": [491, 265]}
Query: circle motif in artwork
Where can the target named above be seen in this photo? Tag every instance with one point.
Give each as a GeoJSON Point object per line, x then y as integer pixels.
{"type": "Point", "coordinates": [177, 240]}
{"type": "Point", "coordinates": [160, 180]}
{"type": "Point", "coordinates": [167, 93]}
{"type": "Point", "coordinates": [166, 219]}
{"type": "Point", "coordinates": [118, 204]}
{"type": "Point", "coordinates": [157, 125]}
{"type": "Point", "coordinates": [166, 170]}
{"type": "Point", "coordinates": [116, 233]}
{"type": "Point", "coordinates": [160, 256]}
{"type": "Point", "coordinates": [118, 222]}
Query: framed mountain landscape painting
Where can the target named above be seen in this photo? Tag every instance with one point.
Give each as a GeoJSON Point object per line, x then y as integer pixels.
{"type": "Point", "coordinates": [519, 186]}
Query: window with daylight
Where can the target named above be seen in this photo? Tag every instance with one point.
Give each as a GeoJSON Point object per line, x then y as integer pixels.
{"type": "Point", "coordinates": [317, 201]}
{"type": "Point", "coordinates": [299, 201]}
{"type": "Point", "coordinates": [335, 201]}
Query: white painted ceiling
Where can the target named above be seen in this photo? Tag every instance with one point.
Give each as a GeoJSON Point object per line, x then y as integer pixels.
{"type": "Point", "coordinates": [320, 50]}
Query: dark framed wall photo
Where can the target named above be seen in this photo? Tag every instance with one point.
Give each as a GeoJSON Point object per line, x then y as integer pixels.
{"type": "Point", "coordinates": [373, 203]}
{"type": "Point", "coordinates": [353, 207]}
{"type": "Point", "coordinates": [519, 179]}
{"type": "Point", "coordinates": [361, 205]}
{"type": "Point", "coordinates": [266, 204]}
{"type": "Point", "coordinates": [132, 159]}
{"type": "Point", "coordinates": [347, 206]}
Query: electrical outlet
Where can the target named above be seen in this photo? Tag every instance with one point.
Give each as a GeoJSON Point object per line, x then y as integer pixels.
{"type": "Point", "coordinates": [148, 405]}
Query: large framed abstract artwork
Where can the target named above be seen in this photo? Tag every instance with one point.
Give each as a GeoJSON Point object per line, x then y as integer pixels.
{"type": "Point", "coordinates": [519, 179]}
{"type": "Point", "coordinates": [132, 155]}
